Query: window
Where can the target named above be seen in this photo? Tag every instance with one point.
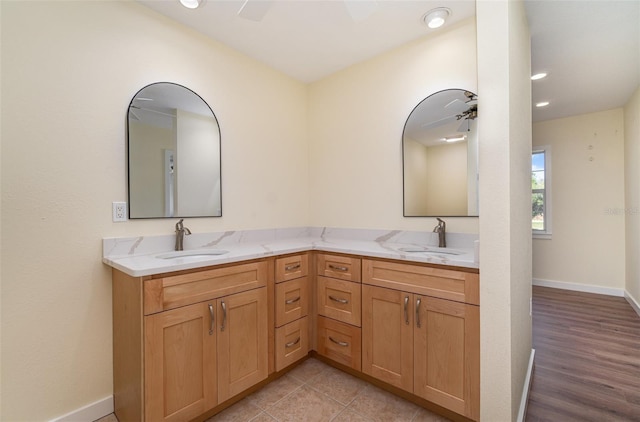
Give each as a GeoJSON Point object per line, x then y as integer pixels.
{"type": "Point", "coordinates": [541, 191]}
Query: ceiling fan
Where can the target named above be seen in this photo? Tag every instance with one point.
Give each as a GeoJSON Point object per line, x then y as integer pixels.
{"type": "Point", "coordinates": [458, 110]}
{"type": "Point", "coordinates": [255, 10]}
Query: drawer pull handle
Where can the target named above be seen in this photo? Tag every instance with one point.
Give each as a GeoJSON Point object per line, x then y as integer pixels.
{"type": "Point", "coordinates": [211, 320]}
{"type": "Point", "coordinates": [224, 315]}
{"type": "Point", "coordinates": [406, 310]}
{"type": "Point", "coordinates": [418, 301]}
{"type": "Point", "coordinates": [290, 301]}
{"type": "Point", "coordinates": [337, 268]}
{"type": "Point", "coordinates": [292, 267]}
{"type": "Point", "coordinates": [339, 343]}
{"type": "Point", "coordinates": [293, 343]}
{"type": "Point", "coordinates": [335, 299]}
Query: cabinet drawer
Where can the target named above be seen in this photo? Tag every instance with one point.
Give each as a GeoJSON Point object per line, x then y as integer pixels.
{"type": "Point", "coordinates": [340, 342]}
{"type": "Point", "coordinates": [291, 267]}
{"type": "Point", "coordinates": [292, 343]}
{"type": "Point", "coordinates": [448, 284]}
{"type": "Point", "coordinates": [171, 292]}
{"type": "Point", "coordinates": [339, 300]}
{"type": "Point", "coordinates": [338, 266]}
{"type": "Point", "coordinates": [292, 300]}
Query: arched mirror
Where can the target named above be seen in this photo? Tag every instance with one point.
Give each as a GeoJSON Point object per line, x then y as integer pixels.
{"type": "Point", "coordinates": [440, 156]}
{"type": "Point", "coordinates": [174, 154]}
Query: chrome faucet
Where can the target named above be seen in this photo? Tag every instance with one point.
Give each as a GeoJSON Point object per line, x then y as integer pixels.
{"type": "Point", "coordinates": [181, 230]}
{"type": "Point", "coordinates": [441, 229]}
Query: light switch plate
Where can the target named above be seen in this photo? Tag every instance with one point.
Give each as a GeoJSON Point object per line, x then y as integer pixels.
{"type": "Point", "coordinates": [119, 211]}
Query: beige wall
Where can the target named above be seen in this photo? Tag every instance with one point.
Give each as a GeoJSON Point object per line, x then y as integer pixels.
{"type": "Point", "coordinates": [586, 246]}
{"type": "Point", "coordinates": [504, 96]}
{"type": "Point", "coordinates": [415, 173]}
{"type": "Point", "coordinates": [632, 194]}
{"type": "Point", "coordinates": [69, 70]}
{"type": "Point", "coordinates": [447, 179]}
{"type": "Point", "coordinates": [356, 118]}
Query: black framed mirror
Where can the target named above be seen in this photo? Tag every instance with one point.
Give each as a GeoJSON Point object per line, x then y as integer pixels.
{"type": "Point", "coordinates": [440, 156]}
{"type": "Point", "coordinates": [173, 153]}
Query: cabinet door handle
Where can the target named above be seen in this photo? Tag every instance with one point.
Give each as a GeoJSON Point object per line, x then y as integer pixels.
{"type": "Point", "coordinates": [406, 310]}
{"type": "Point", "coordinates": [211, 320]}
{"type": "Point", "coordinates": [336, 299]}
{"type": "Point", "coordinates": [224, 315]}
{"type": "Point", "coordinates": [337, 268]}
{"type": "Point", "coordinates": [292, 267]}
{"type": "Point", "coordinates": [339, 343]}
{"type": "Point", "coordinates": [293, 343]}
{"type": "Point", "coordinates": [290, 301]}
{"type": "Point", "coordinates": [418, 301]}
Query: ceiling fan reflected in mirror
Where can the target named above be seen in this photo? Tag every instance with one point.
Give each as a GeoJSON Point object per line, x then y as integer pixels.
{"type": "Point", "coordinates": [457, 109]}
{"type": "Point", "coordinates": [255, 10]}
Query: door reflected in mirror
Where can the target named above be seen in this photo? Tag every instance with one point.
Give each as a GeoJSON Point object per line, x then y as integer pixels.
{"type": "Point", "coordinates": [174, 154]}
{"type": "Point", "coordinates": [440, 156]}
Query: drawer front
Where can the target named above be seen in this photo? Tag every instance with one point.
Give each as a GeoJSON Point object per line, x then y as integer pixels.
{"type": "Point", "coordinates": [340, 300]}
{"type": "Point", "coordinates": [338, 266]}
{"type": "Point", "coordinates": [292, 342]}
{"type": "Point", "coordinates": [340, 342]}
{"type": "Point", "coordinates": [292, 267]}
{"type": "Point", "coordinates": [292, 300]}
{"type": "Point", "coordinates": [172, 292]}
{"type": "Point", "coordinates": [448, 284]}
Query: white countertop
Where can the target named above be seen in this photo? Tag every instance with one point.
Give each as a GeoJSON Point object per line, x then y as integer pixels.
{"type": "Point", "coordinates": [139, 256]}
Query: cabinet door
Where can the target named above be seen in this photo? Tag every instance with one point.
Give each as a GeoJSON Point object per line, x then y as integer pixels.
{"type": "Point", "coordinates": [180, 363]}
{"type": "Point", "coordinates": [242, 342]}
{"type": "Point", "coordinates": [447, 354]}
{"type": "Point", "coordinates": [387, 336]}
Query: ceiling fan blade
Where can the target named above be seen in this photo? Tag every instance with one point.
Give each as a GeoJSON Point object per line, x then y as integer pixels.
{"type": "Point", "coordinates": [360, 10]}
{"type": "Point", "coordinates": [255, 10]}
{"type": "Point", "coordinates": [439, 122]}
{"type": "Point", "coordinates": [457, 106]}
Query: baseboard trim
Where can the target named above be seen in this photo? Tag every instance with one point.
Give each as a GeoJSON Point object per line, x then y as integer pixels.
{"type": "Point", "coordinates": [522, 412]}
{"type": "Point", "coordinates": [587, 288]}
{"type": "Point", "coordinates": [88, 413]}
{"type": "Point", "coordinates": [633, 302]}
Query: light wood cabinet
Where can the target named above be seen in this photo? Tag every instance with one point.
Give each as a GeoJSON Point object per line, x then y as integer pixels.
{"type": "Point", "coordinates": [340, 342]}
{"type": "Point", "coordinates": [425, 345]}
{"type": "Point", "coordinates": [292, 303]}
{"type": "Point", "coordinates": [339, 300]}
{"type": "Point", "coordinates": [185, 342]}
{"type": "Point", "coordinates": [180, 363]}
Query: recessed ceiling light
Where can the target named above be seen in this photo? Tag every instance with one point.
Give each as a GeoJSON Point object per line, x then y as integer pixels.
{"type": "Point", "coordinates": [435, 18]}
{"type": "Point", "coordinates": [538, 76]}
{"type": "Point", "coordinates": [192, 4]}
{"type": "Point", "coordinates": [542, 104]}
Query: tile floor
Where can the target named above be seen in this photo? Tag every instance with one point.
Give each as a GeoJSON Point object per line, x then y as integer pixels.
{"type": "Point", "coordinates": [315, 392]}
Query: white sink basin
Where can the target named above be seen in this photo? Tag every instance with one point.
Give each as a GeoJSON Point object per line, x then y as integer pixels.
{"type": "Point", "coordinates": [435, 251]}
{"type": "Point", "coordinates": [195, 253]}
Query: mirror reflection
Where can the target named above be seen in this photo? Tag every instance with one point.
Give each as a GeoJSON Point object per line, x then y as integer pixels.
{"type": "Point", "coordinates": [440, 156]}
{"type": "Point", "coordinates": [174, 154]}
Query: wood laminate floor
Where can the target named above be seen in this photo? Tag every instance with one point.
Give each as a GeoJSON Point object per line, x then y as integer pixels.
{"type": "Point", "coordinates": [587, 362]}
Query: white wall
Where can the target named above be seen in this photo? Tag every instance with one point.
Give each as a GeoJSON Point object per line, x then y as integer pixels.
{"type": "Point", "coordinates": [632, 194]}
{"type": "Point", "coordinates": [69, 71]}
{"type": "Point", "coordinates": [504, 101]}
{"type": "Point", "coordinates": [587, 162]}
{"type": "Point", "coordinates": [356, 118]}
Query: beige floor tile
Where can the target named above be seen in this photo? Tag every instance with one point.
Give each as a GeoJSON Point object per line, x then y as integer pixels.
{"type": "Point", "coordinates": [275, 391]}
{"type": "Point", "coordinates": [108, 418]}
{"type": "Point", "coordinates": [242, 411]}
{"type": "Point", "coordinates": [305, 404]}
{"type": "Point", "coordinates": [263, 417]}
{"type": "Point", "coordinates": [338, 385]}
{"type": "Point", "coordinates": [382, 406]}
{"type": "Point", "coordinates": [348, 415]}
{"type": "Point", "coordinates": [308, 370]}
{"type": "Point", "coordinates": [424, 415]}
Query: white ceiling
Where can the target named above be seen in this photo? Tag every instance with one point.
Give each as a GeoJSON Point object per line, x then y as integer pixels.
{"type": "Point", "coordinates": [591, 48]}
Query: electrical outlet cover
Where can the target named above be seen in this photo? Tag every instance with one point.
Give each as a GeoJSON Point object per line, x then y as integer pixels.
{"type": "Point", "coordinates": [119, 211]}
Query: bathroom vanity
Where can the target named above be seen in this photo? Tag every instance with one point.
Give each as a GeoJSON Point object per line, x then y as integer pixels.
{"type": "Point", "coordinates": [190, 342]}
